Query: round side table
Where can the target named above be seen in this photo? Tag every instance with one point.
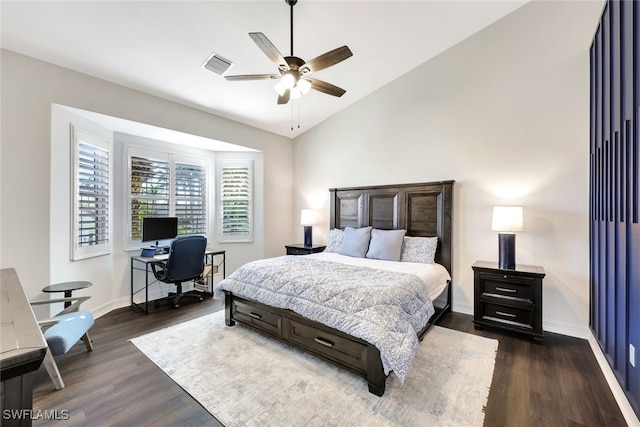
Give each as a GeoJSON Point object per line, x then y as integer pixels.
{"type": "Point", "coordinates": [67, 288]}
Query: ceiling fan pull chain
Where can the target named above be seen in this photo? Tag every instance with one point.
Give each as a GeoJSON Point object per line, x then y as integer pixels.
{"type": "Point", "coordinates": [291, 116]}
{"type": "Point", "coordinates": [298, 114]}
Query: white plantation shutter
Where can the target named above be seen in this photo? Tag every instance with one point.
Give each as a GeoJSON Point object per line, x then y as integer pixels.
{"type": "Point", "coordinates": [234, 201]}
{"type": "Point", "coordinates": [149, 189]}
{"type": "Point", "coordinates": [190, 203]}
{"type": "Point", "coordinates": [92, 196]}
{"type": "Point", "coordinates": [163, 185]}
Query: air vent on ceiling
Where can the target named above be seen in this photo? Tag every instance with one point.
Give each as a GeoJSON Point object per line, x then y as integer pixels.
{"type": "Point", "coordinates": [217, 64]}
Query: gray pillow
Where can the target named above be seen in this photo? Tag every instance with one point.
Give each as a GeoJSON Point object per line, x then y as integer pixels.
{"type": "Point", "coordinates": [386, 244]}
{"type": "Point", "coordinates": [355, 241]}
{"type": "Point", "coordinates": [419, 249]}
{"type": "Point", "coordinates": [335, 241]}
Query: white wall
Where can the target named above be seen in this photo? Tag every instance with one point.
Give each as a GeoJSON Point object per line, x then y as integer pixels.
{"type": "Point", "coordinates": [32, 187]}
{"type": "Point", "coordinates": [505, 114]}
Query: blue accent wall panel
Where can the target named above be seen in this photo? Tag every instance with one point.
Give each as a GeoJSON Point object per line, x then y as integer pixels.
{"type": "Point", "coordinates": [614, 231]}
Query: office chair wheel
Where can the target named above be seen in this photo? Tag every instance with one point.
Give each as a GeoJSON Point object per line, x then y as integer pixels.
{"type": "Point", "coordinates": [200, 299]}
{"type": "Point", "coordinates": [176, 305]}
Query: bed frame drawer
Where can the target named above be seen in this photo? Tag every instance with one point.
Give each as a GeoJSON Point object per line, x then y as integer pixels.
{"type": "Point", "coordinates": [327, 344]}
{"type": "Point", "coordinates": [257, 316]}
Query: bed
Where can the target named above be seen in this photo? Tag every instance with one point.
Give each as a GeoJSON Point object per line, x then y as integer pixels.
{"type": "Point", "coordinates": [315, 324]}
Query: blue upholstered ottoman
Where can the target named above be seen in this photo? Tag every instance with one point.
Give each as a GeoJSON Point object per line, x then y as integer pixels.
{"type": "Point", "coordinates": [66, 333]}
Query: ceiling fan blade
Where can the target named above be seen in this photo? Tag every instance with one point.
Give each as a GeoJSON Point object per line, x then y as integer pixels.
{"type": "Point", "coordinates": [326, 60]}
{"type": "Point", "coordinates": [283, 99]}
{"type": "Point", "coordinates": [325, 87]}
{"type": "Point", "coordinates": [270, 50]}
{"type": "Point", "coordinates": [253, 77]}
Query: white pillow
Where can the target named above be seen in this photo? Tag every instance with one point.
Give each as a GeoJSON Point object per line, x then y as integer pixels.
{"type": "Point", "coordinates": [355, 241]}
{"type": "Point", "coordinates": [419, 249]}
{"type": "Point", "coordinates": [335, 241]}
{"type": "Point", "coordinates": [386, 244]}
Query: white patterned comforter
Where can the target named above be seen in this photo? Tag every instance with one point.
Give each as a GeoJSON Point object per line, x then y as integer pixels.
{"type": "Point", "coordinates": [384, 308]}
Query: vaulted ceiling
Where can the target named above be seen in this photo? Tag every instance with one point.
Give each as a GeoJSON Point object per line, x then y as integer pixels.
{"type": "Point", "coordinates": [158, 47]}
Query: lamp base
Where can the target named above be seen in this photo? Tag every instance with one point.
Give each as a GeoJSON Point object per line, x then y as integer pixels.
{"type": "Point", "coordinates": [308, 241]}
{"type": "Point", "coordinates": [507, 251]}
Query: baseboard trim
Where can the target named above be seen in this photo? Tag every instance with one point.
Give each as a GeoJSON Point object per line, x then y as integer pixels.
{"type": "Point", "coordinates": [125, 302]}
{"type": "Point", "coordinates": [575, 331]}
{"type": "Point", "coordinates": [625, 407]}
{"type": "Point", "coordinates": [462, 308]}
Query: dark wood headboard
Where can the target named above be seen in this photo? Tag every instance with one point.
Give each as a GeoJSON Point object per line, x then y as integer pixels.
{"type": "Point", "coordinates": [423, 209]}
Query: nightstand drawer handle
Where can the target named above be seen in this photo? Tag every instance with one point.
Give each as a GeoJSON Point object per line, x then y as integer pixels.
{"type": "Point", "coordinates": [502, 313]}
{"type": "Point", "coordinates": [506, 289]}
{"type": "Point", "coordinates": [324, 342]}
{"type": "Point", "coordinates": [255, 315]}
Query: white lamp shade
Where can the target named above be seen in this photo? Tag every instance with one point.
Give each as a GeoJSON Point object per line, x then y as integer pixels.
{"type": "Point", "coordinates": [286, 82]}
{"type": "Point", "coordinates": [307, 217]}
{"type": "Point", "coordinates": [304, 86]}
{"type": "Point", "coordinates": [281, 87]}
{"type": "Point", "coordinates": [295, 93]}
{"type": "Point", "coordinates": [507, 218]}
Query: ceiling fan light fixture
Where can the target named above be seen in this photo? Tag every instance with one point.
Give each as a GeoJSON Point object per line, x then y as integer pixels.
{"type": "Point", "coordinates": [288, 81]}
{"type": "Point", "coordinates": [281, 87]}
{"type": "Point", "coordinates": [296, 93]}
{"type": "Point", "coordinates": [304, 86]}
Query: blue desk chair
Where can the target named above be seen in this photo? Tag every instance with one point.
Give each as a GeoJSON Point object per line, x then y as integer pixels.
{"type": "Point", "coordinates": [63, 331]}
{"type": "Point", "coordinates": [185, 262]}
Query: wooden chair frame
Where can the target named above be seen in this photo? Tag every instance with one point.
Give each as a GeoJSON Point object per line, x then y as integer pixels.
{"type": "Point", "coordinates": [49, 362]}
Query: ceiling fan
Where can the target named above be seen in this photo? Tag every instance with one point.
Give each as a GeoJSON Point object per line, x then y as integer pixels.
{"type": "Point", "coordinates": [293, 70]}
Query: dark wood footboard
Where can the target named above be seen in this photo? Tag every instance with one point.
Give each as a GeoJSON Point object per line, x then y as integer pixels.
{"type": "Point", "coordinates": [331, 345]}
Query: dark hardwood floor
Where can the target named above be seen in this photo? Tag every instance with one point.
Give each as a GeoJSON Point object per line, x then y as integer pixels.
{"type": "Point", "coordinates": [557, 383]}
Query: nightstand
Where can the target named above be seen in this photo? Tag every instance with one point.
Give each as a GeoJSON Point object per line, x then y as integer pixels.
{"type": "Point", "coordinates": [300, 249]}
{"type": "Point", "coordinates": [508, 299]}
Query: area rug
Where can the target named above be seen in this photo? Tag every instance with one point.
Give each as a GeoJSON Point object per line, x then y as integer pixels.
{"type": "Point", "coordinates": [246, 379]}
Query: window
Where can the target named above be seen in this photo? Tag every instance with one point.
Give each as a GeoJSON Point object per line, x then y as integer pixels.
{"type": "Point", "coordinates": [164, 184]}
{"type": "Point", "coordinates": [190, 205]}
{"type": "Point", "coordinates": [234, 201]}
{"type": "Point", "coordinates": [150, 184]}
{"type": "Point", "coordinates": [91, 195]}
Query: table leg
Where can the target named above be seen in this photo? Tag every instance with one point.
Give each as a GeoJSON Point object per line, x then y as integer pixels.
{"type": "Point", "coordinates": [146, 288]}
{"type": "Point", "coordinates": [67, 294]}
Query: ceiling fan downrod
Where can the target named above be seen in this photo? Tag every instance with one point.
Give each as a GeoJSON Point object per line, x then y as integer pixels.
{"type": "Point", "coordinates": [291, 3]}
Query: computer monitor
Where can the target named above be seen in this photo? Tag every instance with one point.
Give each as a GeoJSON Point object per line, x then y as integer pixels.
{"type": "Point", "coordinates": [159, 228]}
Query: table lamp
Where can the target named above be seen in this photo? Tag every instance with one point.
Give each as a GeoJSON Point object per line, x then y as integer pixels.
{"type": "Point", "coordinates": [308, 218]}
{"type": "Point", "coordinates": [506, 221]}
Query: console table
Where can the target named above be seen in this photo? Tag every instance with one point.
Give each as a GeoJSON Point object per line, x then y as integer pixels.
{"type": "Point", "coordinates": [22, 350]}
{"type": "Point", "coordinates": [143, 264]}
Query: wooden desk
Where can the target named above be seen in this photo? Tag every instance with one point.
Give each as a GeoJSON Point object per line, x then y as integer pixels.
{"type": "Point", "coordinates": [143, 264]}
